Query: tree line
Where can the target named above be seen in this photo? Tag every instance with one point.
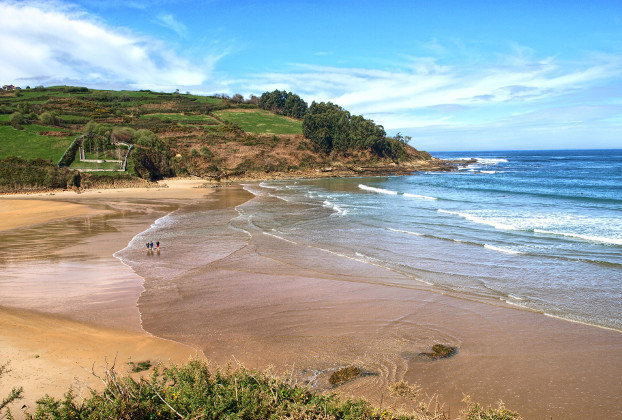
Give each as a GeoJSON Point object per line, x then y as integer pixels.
{"type": "Point", "coordinates": [332, 128]}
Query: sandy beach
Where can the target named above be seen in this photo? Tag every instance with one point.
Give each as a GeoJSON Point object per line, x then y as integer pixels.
{"type": "Point", "coordinates": [67, 304]}
{"type": "Point", "coordinates": [265, 302]}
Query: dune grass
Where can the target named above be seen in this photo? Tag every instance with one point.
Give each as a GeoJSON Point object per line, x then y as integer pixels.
{"type": "Point", "coordinates": [258, 121]}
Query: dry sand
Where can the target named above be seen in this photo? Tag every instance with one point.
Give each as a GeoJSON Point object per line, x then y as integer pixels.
{"type": "Point", "coordinates": [48, 353]}
{"type": "Point", "coordinates": [67, 304]}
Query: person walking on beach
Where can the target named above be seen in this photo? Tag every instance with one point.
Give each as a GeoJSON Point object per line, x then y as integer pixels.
{"type": "Point", "coordinates": [158, 245]}
{"type": "Point", "coordinates": [151, 245]}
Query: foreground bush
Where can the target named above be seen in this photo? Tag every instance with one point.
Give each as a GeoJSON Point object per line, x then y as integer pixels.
{"type": "Point", "coordinates": [194, 391]}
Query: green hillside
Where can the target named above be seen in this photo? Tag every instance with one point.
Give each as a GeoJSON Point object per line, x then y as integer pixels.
{"type": "Point", "coordinates": [175, 134]}
{"type": "Point", "coordinates": [28, 143]}
{"type": "Point", "coordinates": [261, 122]}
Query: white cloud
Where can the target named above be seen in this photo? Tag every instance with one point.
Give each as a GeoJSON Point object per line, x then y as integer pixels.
{"type": "Point", "coordinates": [405, 97]}
{"type": "Point", "coordinates": [43, 46]}
{"type": "Point", "coordinates": [168, 21]}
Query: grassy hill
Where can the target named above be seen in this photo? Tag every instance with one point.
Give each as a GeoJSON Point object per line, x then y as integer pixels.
{"type": "Point", "coordinates": [34, 141]}
{"type": "Point", "coordinates": [260, 122]}
{"type": "Point", "coordinates": [175, 134]}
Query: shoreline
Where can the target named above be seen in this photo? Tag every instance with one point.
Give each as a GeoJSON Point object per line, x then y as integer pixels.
{"type": "Point", "coordinates": [365, 290]}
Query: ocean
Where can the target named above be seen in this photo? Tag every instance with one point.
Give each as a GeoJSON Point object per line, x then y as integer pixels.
{"type": "Point", "coordinates": [541, 230]}
{"type": "Point", "coordinates": [309, 275]}
{"type": "Point", "coordinates": [537, 229]}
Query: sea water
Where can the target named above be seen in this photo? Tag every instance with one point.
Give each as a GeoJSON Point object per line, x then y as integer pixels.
{"type": "Point", "coordinates": [536, 229]}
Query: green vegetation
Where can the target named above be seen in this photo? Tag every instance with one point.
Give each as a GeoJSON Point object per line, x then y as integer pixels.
{"type": "Point", "coordinates": [140, 366]}
{"type": "Point", "coordinates": [76, 164]}
{"type": "Point", "coordinates": [17, 174]}
{"type": "Point", "coordinates": [260, 122]}
{"type": "Point", "coordinates": [178, 134]}
{"type": "Point", "coordinates": [29, 144]}
{"type": "Point", "coordinates": [283, 103]}
{"type": "Point", "coordinates": [194, 391]}
{"type": "Point", "coordinates": [14, 394]}
{"type": "Point", "coordinates": [332, 128]}
{"type": "Point", "coordinates": [188, 119]}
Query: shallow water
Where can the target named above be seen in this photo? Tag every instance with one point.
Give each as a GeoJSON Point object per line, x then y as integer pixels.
{"type": "Point", "coordinates": [541, 230]}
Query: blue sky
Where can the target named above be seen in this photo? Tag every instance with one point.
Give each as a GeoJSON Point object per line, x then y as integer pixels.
{"type": "Point", "coordinates": [454, 75]}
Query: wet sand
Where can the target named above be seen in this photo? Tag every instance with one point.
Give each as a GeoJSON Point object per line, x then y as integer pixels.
{"type": "Point", "coordinates": [67, 304]}
{"type": "Point", "coordinates": [265, 302]}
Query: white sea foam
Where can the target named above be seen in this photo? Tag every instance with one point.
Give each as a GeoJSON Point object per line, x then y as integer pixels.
{"type": "Point", "coordinates": [335, 208]}
{"type": "Point", "coordinates": [280, 237]}
{"type": "Point", "coordinates": [424, 197]}
{"type": "Point", "coordinates": [514, 303]}
{"type": "Point", "coordinates": [511, 296]}
{"type": "Point", "coordinates": [490, 161]}
{"type": "Point", "coordinates": [272, 187]}
{"type": "Point", "coordinates": [590, 238]}
{"type": "Point", "coordinates": [483, 161]}
{"type": "Point", "coordinates": [480, 220]}
{"type": "Point", "coordinates": [377, 190]}
{"type": "Point", "coordinates": [488, 172]}
{"type": "Point", "coordinates": [405, 231]}
{"type": "Point", "coordinates": [500, 249]}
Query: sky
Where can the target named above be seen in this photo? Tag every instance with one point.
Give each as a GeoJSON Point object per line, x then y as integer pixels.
{"type": "Point", "coordinates": [453, 75]}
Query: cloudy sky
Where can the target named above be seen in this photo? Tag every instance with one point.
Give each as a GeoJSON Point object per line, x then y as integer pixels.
{"type": "Point", "coordinates": [454, 75]}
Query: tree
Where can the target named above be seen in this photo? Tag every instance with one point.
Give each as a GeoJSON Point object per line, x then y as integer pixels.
{"type": "Point", "coordinates": [283, 103]}
{"type": "Point", "coordinates": [332, 128]}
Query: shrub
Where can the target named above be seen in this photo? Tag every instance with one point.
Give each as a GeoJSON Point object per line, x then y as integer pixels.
{"type": "Point", "coordinates": [17, 119]}
{"type": "Point", "coordinates": [195, 391]}
{"type": "Point", "coordinates": [475, 411]}
{"type": "Point", "coordinates": [49, 118]}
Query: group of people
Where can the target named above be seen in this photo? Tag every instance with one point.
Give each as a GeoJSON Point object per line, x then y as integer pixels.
{"type": "Point", "coordinates": [150, 246]}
